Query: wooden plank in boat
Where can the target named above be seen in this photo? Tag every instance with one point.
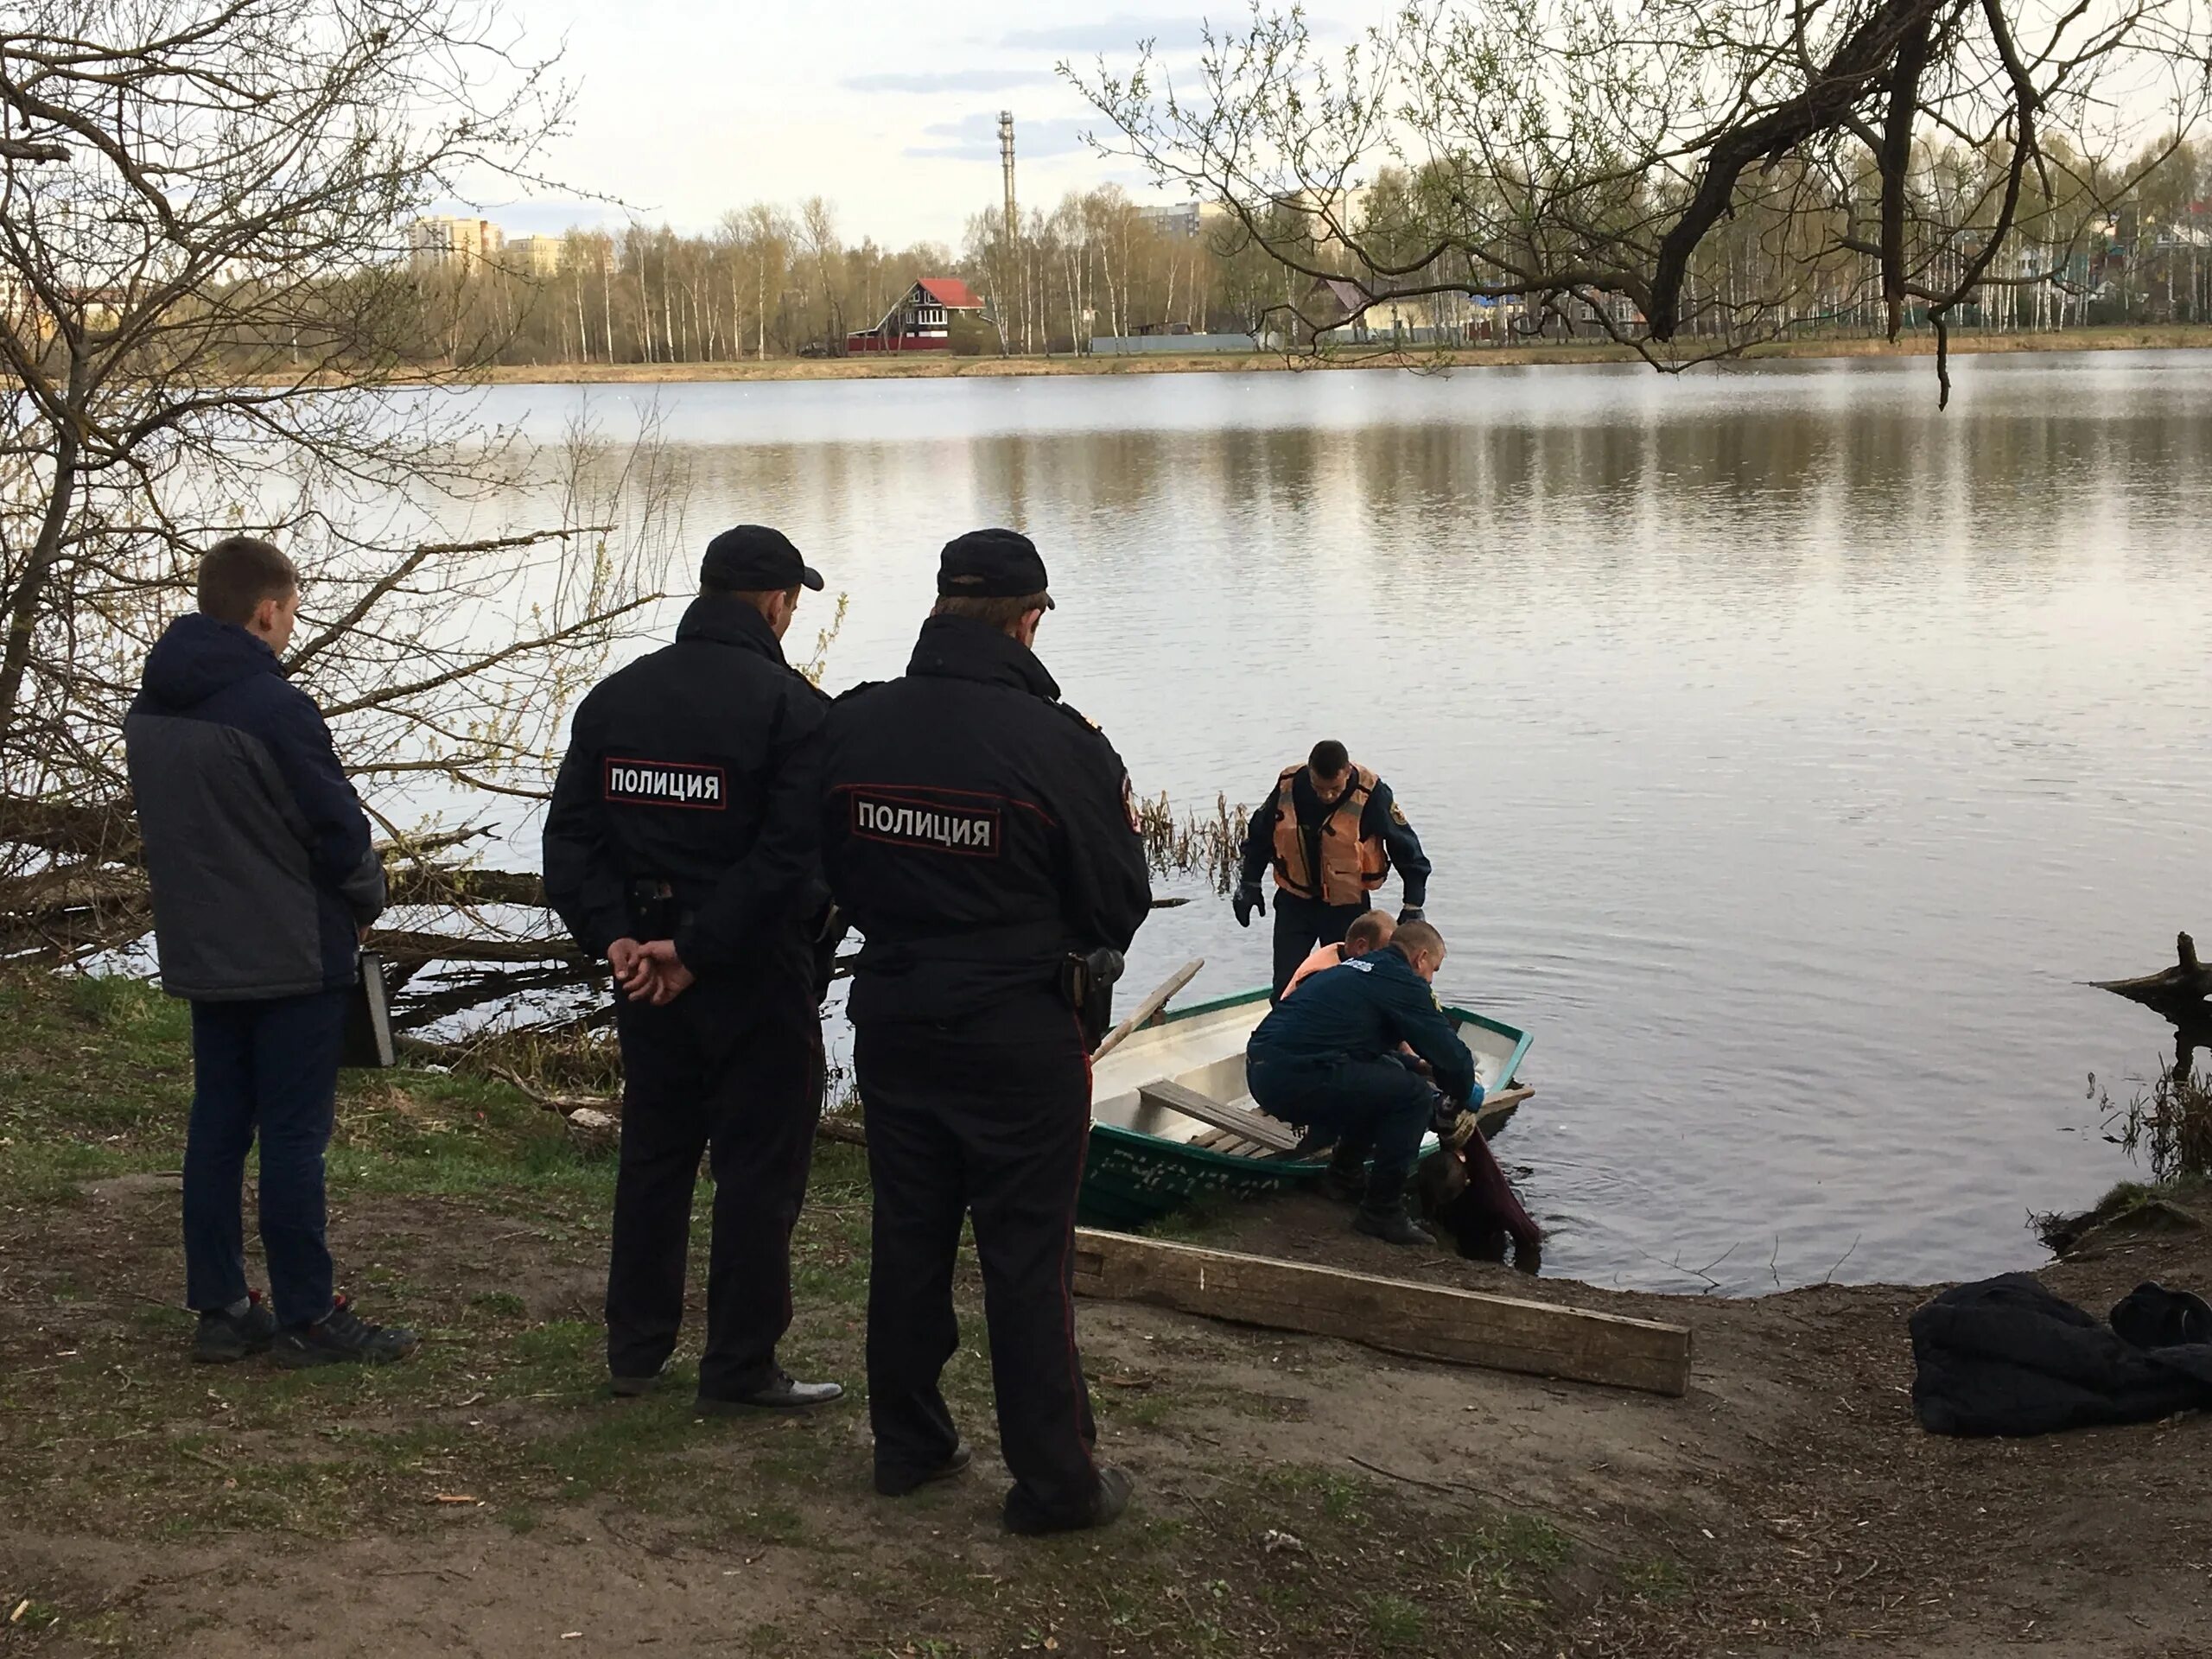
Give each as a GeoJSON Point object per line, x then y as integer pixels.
{"type": "Point", "coordinates": [1239, 1120]}
{"type": "Point", "coordinates": [1461, 1327]}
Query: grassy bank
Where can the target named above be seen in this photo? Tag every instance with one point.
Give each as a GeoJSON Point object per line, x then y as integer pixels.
{"type": "Point", "coordinates": [1295, 1495]}
{"type": "Point", "coordinates": [1918, 344]}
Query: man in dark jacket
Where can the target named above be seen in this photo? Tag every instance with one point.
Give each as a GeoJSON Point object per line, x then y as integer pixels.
{"type": "Point", "coordinates": [264, 881]}
{"type": "Point", "coordinates": [681, 845]}
{"type": "Point", "coordinates": [1333, 831]}
{"type": "Point", "coordinates": [980, 835]}
{"type": "Point", "coordinates": [1328, 1058]}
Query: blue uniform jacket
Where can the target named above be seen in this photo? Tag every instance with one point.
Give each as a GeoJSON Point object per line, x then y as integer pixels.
{"type": "Point", "coordinates": [1363, 1011]}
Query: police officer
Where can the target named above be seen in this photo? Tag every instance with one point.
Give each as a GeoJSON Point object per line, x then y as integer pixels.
{"type": "Point", "coordinates": [681, 845]}
{"type": "Point", "coordinates": [980, 834]}
{"type": "Point", "coordinates": [1333, 830]}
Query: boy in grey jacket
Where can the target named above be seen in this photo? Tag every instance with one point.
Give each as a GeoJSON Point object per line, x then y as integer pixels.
{"type": "Point", "coordinates": [263, 882]}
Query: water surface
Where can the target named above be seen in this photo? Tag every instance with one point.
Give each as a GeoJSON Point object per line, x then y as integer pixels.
{"type": "Point", "coordinates": [1788, 750]}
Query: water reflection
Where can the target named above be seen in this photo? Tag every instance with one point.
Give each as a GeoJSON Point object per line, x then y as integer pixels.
{"type": "Point", "coordinates": [1787, 751]}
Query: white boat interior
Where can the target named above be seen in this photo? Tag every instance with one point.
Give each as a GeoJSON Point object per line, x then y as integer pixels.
{"type": "Point", "coordinates": [1205, 1051]}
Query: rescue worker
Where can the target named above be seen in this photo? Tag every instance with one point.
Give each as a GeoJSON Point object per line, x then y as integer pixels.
{"type": "Point", "coordinates": [1326, 1059]}
{"type": "Point", "coordinates": [1368, 933]}
{"type": "Point", "coordinates": [681, 845]}
{"type": "Point", "coordinates": [1333, 830]}
{"type": "Point", "coordinates": [982, 836]}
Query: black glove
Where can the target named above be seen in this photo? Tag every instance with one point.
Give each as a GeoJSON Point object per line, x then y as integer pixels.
{"type": "Point", "coordinates": [1411, 913]}
{"type": "Point", "coordinates": [1247, 900]}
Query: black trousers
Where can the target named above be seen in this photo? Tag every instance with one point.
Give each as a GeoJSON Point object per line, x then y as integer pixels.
{"type": "Point", "coordinates": [734, 1074]}
{"type": "Point", "coordinates": [1301, 924]}
{"type": "Point", "coordinates": [994, 1125]}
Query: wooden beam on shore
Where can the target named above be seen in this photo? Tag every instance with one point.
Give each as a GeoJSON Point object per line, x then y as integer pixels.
{"type": "Point", "coordinates": [1460, 1327]}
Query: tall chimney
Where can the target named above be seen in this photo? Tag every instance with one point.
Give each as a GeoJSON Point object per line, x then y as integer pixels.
{"type": "Point", "coordinates": [1006, 164]}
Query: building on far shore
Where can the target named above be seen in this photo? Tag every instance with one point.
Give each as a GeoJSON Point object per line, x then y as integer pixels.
{"type": "Point", "coordinates": [533, 255]}
{"type": "Point", "coordinates": [456, 245]}
{"type": "Point", "coordinates": [1184, 221]}
{"type": "Point", "coordinates": [938, 313]}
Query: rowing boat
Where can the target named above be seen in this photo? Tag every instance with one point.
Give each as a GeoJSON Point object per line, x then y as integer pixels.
{"type": "Point", "coordinates": [1150, 1154]}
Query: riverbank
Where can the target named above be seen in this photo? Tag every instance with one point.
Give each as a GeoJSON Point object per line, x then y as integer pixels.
{"type": "Point", "coordinates": [1295, 1495]}
{"type": "Point", "coordinates": [1921, 344]}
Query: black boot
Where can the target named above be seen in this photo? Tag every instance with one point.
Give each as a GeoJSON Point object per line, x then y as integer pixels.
{"type": "Point", "coordinates": [1382, 1213]}
{"type": "Point", "coordinates": [1346, 1179]}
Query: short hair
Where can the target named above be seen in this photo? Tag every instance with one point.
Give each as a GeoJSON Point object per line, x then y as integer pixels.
{"type": "Point", "coordinates": [1371, 928]}
{"type": "Point", "coordinates": [240, 571]}
{"type": "Point", "coordinates": [757, 598]}
{"type": "Point", "coordinates": [1417, 936]}
{"type": "Point", "coordinates": [1330, 759]}
{"type": "Point", "coordinates": [1000, 613]}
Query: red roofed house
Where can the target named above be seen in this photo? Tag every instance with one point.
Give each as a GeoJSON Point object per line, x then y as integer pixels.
{"type": "Point", "coordinates": [924, 321]}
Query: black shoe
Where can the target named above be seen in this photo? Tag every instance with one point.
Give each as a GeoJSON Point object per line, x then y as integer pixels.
{"type": "Point", "coordinates": [893, 1483]}
{"type": "Point", "coordinates": [342, 1338]}
{"type": "Point", "coordinates": [223, 1337]}
{"type": "Point", "coordinates": [632, 1387]}
{"type": "Point", "coordinates": [1392, 1225]}
{"type": "Point", "coordinates": [785, 1394]}
{"type": "Point", "coordinates": [1106, 1506]}
{"type": "Point", "coordinates": [1345, 1179]}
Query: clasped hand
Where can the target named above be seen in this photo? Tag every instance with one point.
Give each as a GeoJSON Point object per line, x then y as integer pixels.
{"type": "Point", "coordinates": [651, 972]}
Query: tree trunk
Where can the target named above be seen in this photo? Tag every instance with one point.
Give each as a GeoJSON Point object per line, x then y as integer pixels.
{"type": "Point", "coordinates": [45, 552]}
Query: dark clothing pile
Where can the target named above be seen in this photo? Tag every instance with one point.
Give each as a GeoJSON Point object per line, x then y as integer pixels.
{"type": "Point", "coordinates": [2006, 1357]}
{"type": "Point", "coordinates": [977, 831]}
{"type": "Point", "coordinates": [257, 847]}
{"type": "Point", "coordinates": [685, 806]}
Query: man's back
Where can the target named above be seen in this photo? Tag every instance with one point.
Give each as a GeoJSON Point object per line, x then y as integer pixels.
{"type": "Point", "coordinates": [257, 851]}
{"type": "Point", "coordinates": [975, 829]}
{"type": "Point", "coordinates": [1362, 1011]}
{"type": "Point", "coordinates": [683, 765]}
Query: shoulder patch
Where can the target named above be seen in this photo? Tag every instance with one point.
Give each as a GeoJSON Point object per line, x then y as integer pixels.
{"type": "Point", "coordinates": [1129, 805]}
{"type": "Point", "coordinates": [1078, 717]}
{"type": "Point", "coordinates": [1397, 813]}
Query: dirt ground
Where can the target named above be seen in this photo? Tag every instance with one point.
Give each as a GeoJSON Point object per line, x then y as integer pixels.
{"type": "Point", "coordinates": [1295, 1495]}
{"type": "Point", "coordinates": [1788, 1506]}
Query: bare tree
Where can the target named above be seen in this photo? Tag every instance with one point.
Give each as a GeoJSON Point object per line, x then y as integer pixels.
{"type": "Point", "coordinates": [1686, 177]}
{"type": "Point", "coordinates": [207, 309]}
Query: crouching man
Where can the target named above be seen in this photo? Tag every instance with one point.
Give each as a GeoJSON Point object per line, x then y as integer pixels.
{"type": "Point", "coordinates": [1327, 1059]}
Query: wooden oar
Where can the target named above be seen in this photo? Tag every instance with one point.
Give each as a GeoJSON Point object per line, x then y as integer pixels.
{"type": "Point", "coordinates": [1151, 1005]}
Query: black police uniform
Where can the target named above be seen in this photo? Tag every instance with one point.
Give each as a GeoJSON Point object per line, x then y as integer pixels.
{"type": "Point", "coordinates": [977, 831]}
{"type": "Point", "coordinates": [686, 810]}
{"type": "Point", "coordinates": [1302, 923]}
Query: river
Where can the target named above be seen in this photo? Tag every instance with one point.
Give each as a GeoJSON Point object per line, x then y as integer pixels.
{"type": "Point", "coordinates": [1789, 751]}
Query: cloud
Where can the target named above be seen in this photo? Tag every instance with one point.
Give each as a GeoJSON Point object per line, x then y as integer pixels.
{"type": "Point", "coordinates": [976, 138]}
{"type": "Point", "coordinates": [1118, 34]}
{"type": "Point", "coordinates": [950, 80]}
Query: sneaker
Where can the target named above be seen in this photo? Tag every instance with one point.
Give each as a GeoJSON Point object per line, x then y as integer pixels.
{"type": "Point", "coordinates": [341, 1338]}
{"type": "Point", "coordinates": [1106, 1506]}
{"type": "Point", "coordinates": [223, 1337]}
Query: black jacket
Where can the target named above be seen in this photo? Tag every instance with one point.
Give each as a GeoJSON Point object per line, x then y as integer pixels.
{"type": "Point", "coordinates": [256, 845]}
{"type": "Point", "coordinates": [696, 766]}
{"type": "Point", "coordinates": [976, 829]}
{"type": "Point", "coordinates": [1362, 1010]}
{"type": "Point", "coordinates": [1379, 821]}
{"type": "Point", "coordinates": [2004, 1355]}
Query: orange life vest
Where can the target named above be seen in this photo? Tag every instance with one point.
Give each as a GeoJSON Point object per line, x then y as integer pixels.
{"type": "Point", "coordinates": [1350, 868]}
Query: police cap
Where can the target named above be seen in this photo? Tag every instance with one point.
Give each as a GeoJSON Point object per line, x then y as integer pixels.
{"type": "Point", "coordinates": [754, 559]}
{"type": "Point", "coordinates": [991, 564]}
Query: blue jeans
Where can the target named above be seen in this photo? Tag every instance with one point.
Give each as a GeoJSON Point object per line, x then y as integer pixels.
{"type": "Point", "coordinates": [1379, 1103]}
{"type": "Point", "coordinates": [270, 1067]}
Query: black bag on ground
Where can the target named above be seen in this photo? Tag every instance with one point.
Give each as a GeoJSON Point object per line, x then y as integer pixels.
{"type": "Point", "coordinates": [2004, 1355]}
{"type": "Point", "coordinates": [368, 1020]}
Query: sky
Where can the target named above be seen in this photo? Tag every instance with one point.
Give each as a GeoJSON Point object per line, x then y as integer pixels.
{"type": "Point", "coordinates": [686, 109]}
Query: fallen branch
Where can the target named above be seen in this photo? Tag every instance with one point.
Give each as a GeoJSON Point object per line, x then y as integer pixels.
{"type": "Point", "coordinates": [2179, 993]}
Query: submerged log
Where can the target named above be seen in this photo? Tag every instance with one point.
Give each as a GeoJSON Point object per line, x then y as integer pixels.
{"type": "Point", "coordinates": [2179, 993]}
